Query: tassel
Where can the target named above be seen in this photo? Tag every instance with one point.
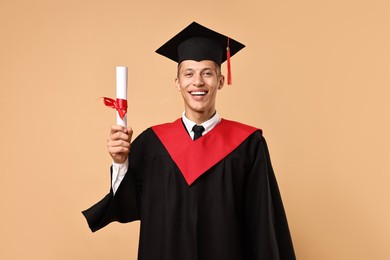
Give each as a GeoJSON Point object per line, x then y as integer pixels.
{"type": "Point", "coordinates": [229, 69]}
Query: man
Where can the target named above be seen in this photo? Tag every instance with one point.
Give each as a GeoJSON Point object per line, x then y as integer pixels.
{"type": "Point", "coordinates": [203, 187]}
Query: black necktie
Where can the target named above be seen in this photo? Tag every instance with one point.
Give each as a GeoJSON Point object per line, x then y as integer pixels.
{"type": "Point", "coordinates": [198, 130]}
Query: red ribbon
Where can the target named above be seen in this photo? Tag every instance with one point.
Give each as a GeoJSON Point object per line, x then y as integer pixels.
{"type": "Point", "coordinates": [119, 105]}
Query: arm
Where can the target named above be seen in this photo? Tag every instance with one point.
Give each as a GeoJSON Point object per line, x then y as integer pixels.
{"type": "Point", "coordinates": [118, 146]}
{"type": "Point", "coordinates": [118, 143]}
{"type": "Point", "coordinates": [118, 173]}
{"type": "Point", "coordinates": [124, 206]}
{"type": "Point", "coordinates": [267, 235]}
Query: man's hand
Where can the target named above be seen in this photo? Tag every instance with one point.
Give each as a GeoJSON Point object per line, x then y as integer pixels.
{"type": "Point", "coordinates": [118, 143]}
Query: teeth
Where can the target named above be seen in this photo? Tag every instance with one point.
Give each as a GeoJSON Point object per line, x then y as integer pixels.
{"type": "Point", "coordinates": [198, 93]}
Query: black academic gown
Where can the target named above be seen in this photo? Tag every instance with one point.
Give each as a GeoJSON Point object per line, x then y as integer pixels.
{"type": "Point", "coordinates": [231, 211]}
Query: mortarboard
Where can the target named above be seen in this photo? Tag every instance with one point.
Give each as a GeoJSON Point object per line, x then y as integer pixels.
{"type": "Point", "coordinates": [196, 42]}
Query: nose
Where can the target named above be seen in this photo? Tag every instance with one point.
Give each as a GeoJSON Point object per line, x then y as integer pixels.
{"type": "Point", "coordinates": [198, 80]}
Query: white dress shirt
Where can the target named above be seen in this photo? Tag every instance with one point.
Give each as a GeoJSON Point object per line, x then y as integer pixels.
{"type": "Point", "coordinates": [119, 170]}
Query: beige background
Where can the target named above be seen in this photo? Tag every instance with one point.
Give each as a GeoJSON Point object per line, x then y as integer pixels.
{"type": "Point", "coordinates": [314, 76]}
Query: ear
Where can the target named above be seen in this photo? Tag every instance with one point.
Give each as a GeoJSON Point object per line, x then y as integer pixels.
{"type": "Point", "coordinates": [177, 84]}
{"type": "Point", "coordinates": [221, 82]}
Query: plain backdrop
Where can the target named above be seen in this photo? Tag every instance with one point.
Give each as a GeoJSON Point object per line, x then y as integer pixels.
{"type": "Point", "coordinates": [315, 76]}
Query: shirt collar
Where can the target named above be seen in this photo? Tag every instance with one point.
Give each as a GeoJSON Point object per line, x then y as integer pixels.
{"type": "Point", "coordinates": [208, 125]}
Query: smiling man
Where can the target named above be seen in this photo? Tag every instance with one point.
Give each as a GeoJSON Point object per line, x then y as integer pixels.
{"type": "Point", "coordinates": [198, 82]}
{"type": "Point", "coordinates": [203, 187]}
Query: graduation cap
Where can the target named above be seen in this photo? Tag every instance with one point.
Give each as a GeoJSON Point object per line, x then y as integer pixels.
{"type": "Point", "coordinates": [196, 42]}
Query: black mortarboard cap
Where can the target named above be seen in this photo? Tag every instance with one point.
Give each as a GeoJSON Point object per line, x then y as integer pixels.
{"type": "Point", "coordinates": [196, 42]}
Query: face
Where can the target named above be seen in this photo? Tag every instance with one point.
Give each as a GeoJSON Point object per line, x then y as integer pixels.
{"type": "Point", "coordinates": [198, 82]}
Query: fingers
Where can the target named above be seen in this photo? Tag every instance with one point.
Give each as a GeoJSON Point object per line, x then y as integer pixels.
{"type": "Point", "coordinates": [118, 143]}
{"type": "Point", "coordinates": [120, 133]}
{"type": "Point", "coordinates": [130, 133]}
{"type": "Point", "coordinates": [118, 146]}
{"type": "Point", "coordinates": [119, 128]}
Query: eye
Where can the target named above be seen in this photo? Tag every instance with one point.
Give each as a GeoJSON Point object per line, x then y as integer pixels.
{"type": "Point", "coordinates": [208, 73]}
{"type": "Point", "coordinates": [188, 73]}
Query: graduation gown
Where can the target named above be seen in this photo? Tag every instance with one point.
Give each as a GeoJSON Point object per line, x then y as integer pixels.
{"type": "Point", "coordinates": [215, 198]}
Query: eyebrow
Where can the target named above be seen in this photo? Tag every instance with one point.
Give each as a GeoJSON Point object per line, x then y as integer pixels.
{"type": "Point", "coordinates": [192, 69]}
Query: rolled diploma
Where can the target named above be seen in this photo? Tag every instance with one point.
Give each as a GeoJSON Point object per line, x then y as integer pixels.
{"type": "Point", "coordinates": [121, 91]}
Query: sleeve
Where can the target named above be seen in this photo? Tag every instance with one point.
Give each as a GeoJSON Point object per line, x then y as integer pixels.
{"type": "Point", "coordinates": [118, 173]}
{"type": "Point", "coordinates": [266, 231]}
{"type": "Point", "coordinates": [125, 205]}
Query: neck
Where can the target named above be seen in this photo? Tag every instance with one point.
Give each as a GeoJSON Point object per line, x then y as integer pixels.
{"type": "Point", "coordinates": [199, 118]}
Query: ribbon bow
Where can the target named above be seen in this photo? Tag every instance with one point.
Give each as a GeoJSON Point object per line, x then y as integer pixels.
{"type": "Point", "coordinates": [119, 105]}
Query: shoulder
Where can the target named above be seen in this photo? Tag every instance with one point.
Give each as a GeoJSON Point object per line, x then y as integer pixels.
{"type": "Point", "coordinates": [144, 144]}
{"type": "Point", "coordinates": [143, 137]}
{"type": "Point", "coordinates": [150, 131]}
{"type": "Point", "coordinates": [255, 139]}
{"type": "Point", "coordinates": [150, 134]}
{"type": "Point", "coordinates": [235, 126]}
{"type": "Point", "coordinates": [167, 126]}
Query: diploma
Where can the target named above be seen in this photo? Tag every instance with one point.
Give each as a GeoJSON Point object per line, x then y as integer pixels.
{"type": "Point", "coordinates": [121, 92]}
{"type": "Point", "coordinates": [120, 104]}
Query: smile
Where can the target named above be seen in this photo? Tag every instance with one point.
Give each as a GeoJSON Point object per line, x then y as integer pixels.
{"type": "Point", "coordinates": [198, 93]}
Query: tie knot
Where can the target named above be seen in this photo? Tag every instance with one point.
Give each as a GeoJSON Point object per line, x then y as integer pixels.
{"type": "Point", "coordinates": [198, 130]}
